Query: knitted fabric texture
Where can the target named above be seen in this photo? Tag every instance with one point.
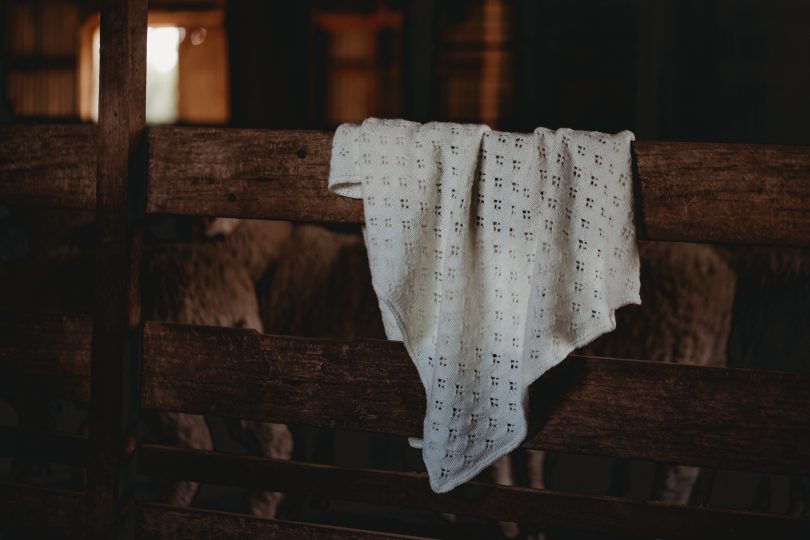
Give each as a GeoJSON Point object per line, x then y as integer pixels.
{"type": "Point", "coordinates": [493, 256]}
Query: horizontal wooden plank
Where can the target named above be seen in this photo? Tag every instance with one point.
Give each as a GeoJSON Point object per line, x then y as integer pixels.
{"type": "Point", "coordinates": [725, 193]}
{"type": "Point", "coordinates": [69, 448]}
{"type": "Point", "coordinates": [726, 418]}
{"type": "Point", "coordinates": [161, 522]}
{"type": "Point", "coordinates": [244, 173]}
{"type": "Point", "coordinates": [48, 165]}
{"type": "Point", "coordinates": [688, 191]}
{"type": "Point", "coordinates": [45, 354]}
{"type": "Point", "coordinates": [541, 507]}
{"type": "Point", "coordinates": [34, 512]}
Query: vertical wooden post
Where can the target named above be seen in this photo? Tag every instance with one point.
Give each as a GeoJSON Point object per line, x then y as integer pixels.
{"type": "Point", "coordinates": [120, 203]}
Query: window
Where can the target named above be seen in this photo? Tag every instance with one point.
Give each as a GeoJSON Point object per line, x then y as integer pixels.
{"type": "Point", "coordinates": [162, 44]}
{"type": "Point", "coordinates": [186, 69]}
{"type": "Point", "coordinates": [363, 63]}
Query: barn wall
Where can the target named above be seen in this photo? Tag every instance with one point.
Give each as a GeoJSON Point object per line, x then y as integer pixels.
{"type": "Point", "coordinates": [40, 40]}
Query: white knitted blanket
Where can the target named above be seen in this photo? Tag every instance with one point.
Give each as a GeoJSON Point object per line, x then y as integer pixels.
{"type": "Point", "coordinates": [493, 256]}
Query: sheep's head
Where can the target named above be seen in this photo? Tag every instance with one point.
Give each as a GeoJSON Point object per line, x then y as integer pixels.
{"type": "Point", "coordinates": [256, 243]}
{"type": "Point", "coordinates": [215, 226]}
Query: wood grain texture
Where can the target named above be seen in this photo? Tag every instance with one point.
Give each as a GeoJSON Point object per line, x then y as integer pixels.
{"type": "Point", "coordinates": [727, 418]}
{"type": "Point", "coordinates": [34, 512]}
{"type": "Point", "coordinates": [540, 507]}
{"type": "Point", "coordinates": [725, 193]}
{"type": "Point", "coordinates": [161, 522]}
{"type": "Point", "coordinates": [695, 192]}
{"type": "Point", "coordinates": [48, 165]}
{"type": "Point", "coordinates": [120, 209]}
{"type": "Point", "coordinates": [244, 173]}
{"type": "Point", "coordinates": [45, 354]}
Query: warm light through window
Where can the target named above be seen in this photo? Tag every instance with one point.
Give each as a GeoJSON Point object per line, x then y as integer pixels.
{"type": "Point", "coordinates": [162, 47]}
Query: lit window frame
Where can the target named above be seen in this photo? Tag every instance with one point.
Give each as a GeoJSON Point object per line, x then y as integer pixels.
{"type": "Point", "coordinates": [185, 19]}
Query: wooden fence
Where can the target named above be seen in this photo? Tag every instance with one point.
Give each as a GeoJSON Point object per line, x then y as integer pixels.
{"type": "Point", "coordinates": [758, 421]}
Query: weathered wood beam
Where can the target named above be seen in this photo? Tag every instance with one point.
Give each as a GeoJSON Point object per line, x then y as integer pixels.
{"type": "Point", "coordinates": [244, 172]}
{"type": "Point", "coordinates": [120, 207]}
{"type": "Point", "coordinates": [725, 193]}
{"type": "Point", "coordinates": [696, 192]}
{"type": "Point", "coordinates": [34, 512]}
{"type": "Point", "coordinates": [51, 165]}
{"type": "Point", "coordinates": [161, 522]}
{"type": "Point", "coordinates": [45, 354]}
{"type": "Point", "coordinates": [726, 418]}
{"type": "Point", "coordinates": [505, 503]}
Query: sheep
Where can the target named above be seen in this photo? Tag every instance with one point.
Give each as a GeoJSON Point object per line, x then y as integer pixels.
{"type": "Point", "coordinates": [208, 283]}
{"type": "Point", "coordinates": [685, 317]}
{"type": "Point", "coordinates": [771, 330]}
{"type": "Point", "coordinates": [214, 284]}
{"type": "Point", "coordinates": [321, 287]}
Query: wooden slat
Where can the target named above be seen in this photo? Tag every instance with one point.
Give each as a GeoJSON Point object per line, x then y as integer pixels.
{"type": "Point", "coordinates": [34, 512]}
{"type": "Point", "coordinates": [544, 508]}
{"type": "Point", "coordinates": [48, 165]}
{"type": "Point", "coordinates": [69, 448]}
{"type": "Point", "coordinates": [160, 522]}
{"type": "Point", "coordinates": [726, 418]}
{"type": "Point", "coordinates": [688, 192]}
{"type": "Point", "coordinates": [120, 209]}
{"type": "Point", "coordinates": [244, 173]}
{"type": "Point", "coordinates": [726, 193]}
{"type": "Point", "coordinates": [45, 354]}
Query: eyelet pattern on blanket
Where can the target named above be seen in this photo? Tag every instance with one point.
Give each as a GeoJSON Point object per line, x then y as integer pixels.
{"type": "Point", "coordinates": [493, 255]}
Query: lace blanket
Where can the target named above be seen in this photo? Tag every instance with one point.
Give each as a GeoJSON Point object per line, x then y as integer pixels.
{"type": "Point", "coordinates": [493, 256]}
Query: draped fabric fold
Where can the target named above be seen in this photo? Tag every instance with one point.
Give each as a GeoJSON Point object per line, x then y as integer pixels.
{"type": "Point", "coordinates": [493, 256]}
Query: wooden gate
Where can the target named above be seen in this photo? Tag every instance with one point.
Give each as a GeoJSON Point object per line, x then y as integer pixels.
{"type": "Point", "coordinates": [758, 421]}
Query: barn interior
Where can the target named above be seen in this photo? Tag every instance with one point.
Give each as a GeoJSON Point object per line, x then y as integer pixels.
{"type": "Point", "coordinates": [731, 71]}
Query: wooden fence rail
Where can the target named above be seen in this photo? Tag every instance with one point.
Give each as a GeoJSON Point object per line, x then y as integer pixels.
{"type": "Point", "coordinates": [45, 354]}
{"type": "Point", "coordinates": [727, 418]}
{"type": "Point", "coordinates": [48, 165]}
{"type": "Point", "coordinates": [34, 512]}
{"type": "Point", "coordinates": [160, 522]}
{"type": "Point", "coordinates": [544, 508]}
{"type": "Point", "coordinates": [685, 192]}
{"type": "Point", "coordinates": [707, 192]}
{"type": "Point", "coordinates": [664, 412]}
